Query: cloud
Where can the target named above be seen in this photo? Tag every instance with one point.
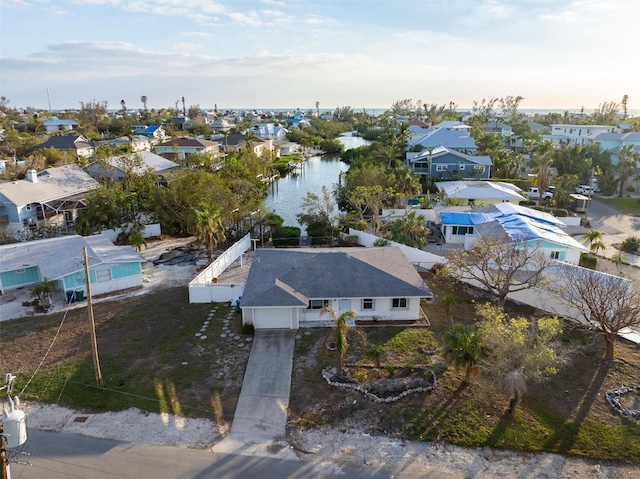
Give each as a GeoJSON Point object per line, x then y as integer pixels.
{"type": "Point", "coordinates": [493, 8]}
{"type": "Point", "coordinates": [273, 2]}
{"type": "Point", "coordinates": [197, 34]}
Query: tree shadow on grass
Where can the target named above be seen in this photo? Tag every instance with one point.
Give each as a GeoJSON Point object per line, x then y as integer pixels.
{"type": "Point", "coordinates": [431, 419]}
{"type": "Point", "coordinates": [499, 431]}
{"type": "Point", "coordinates": [564, 437]}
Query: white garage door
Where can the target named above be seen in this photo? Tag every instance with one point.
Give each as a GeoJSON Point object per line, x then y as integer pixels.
{"type": "Point", "coordinates": [272, 318]}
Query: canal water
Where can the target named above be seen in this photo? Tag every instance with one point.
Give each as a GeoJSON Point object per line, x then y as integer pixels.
{"type": "Point", "coordinates": [286, 194]}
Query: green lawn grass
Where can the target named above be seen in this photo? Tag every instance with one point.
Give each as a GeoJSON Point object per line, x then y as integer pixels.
{"type": "Point", "coordinates": [628, 206]}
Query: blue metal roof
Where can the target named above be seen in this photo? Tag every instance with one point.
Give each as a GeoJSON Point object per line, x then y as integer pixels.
{"type": "Point", "coordinates": [465, 219]}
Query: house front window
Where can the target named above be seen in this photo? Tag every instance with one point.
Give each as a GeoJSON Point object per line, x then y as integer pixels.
{"type": "Point", "coordinates": [103, 275]}
{"type": "Point", "coordinates": [318, 303]}
{"type": "Point", "coordinates": [555, 255]}
{"type": "Point", "coordinates": [368, 304]}
{"type": "Point", "coordinates": [399, 303]}
{"type": "Point", "coordinates": [441, 167]}
{"type": "Point", "coordinates": [462, 230]}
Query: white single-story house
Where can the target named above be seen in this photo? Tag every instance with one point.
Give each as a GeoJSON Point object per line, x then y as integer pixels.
{"type": "Point", "coordinates": [288, 288]}
{"type": "Point", "coordinates": [111, 268]}
{"type": "Point", "coordinates": [481, 193]}
{"type": "Point", "coordinates": [115, 167]}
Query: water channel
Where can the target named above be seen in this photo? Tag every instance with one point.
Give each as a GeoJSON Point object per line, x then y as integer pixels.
{"type": "Point", "coordinates": [286, 194]}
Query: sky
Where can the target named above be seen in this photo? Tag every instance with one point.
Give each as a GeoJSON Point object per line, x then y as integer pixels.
{"type": "Point", "coordinates": [557, 54]}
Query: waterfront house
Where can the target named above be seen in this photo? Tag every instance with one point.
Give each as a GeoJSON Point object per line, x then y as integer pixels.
{"type": "Point", "coordinates": [288, 288]}
{"type": "Point", "coordinates": [480, 193]}
{"type": "Point", "coordinates": [442, 162]}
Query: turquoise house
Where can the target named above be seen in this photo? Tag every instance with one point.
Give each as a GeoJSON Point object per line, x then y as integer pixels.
{"type": "Point", "coordinates": [111, 268]}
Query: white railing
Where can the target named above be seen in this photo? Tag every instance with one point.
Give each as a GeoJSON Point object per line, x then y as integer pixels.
{"type": "Point", "coordinates": [205, 287]}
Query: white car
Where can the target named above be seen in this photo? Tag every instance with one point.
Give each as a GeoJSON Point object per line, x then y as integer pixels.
{"type": "Point", "coordinates": [585, 190]}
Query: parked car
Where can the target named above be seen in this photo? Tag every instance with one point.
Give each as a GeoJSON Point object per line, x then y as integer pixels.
{"type": "Point", "coordinates": [533, 193]}
{"type": "Point", "coordinates": [585, 190]}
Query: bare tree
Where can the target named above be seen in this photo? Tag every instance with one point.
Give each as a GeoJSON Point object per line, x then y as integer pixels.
{"type": "Point", "coordinates": [608, 303]}
{"type": "Point", "coordinates": [501, 264]}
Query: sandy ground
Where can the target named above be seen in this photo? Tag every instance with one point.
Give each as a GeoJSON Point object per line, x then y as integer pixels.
{"type": "Point", "coordinates": [331, 447]}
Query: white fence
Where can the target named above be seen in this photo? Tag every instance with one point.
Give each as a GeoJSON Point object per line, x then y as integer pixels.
{"type": "Point", "coordinates": [150, 231]}
{"type": "Point", "coordinates": [205, 288]}
{"type": "Point", "coordinates": [539, 298]}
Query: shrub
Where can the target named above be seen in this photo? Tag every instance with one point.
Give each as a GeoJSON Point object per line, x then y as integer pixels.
{"type": "Point", "coordinates": [348, 241]}
{"type": "Point", "coordinates": [391, 369]}
{"type": "Point", "coordinates": [410, 366]}
{"type": "Point", "coordinates": [560, 212]}
{"type": "Point", "coordinates": [248, 328]}
{"type": "Point", "coordinates": [286, 236]}
{"type": "Point", "coordinates": [381, 242]}
{"type": "Point", "coordinates": [438, 267]}
{"type": "Point", "coordinates": [360, 376]}
{"type": "Point", "coordinates": [631, 245]}
{"type": "Point", "coordinates": [588, 261]}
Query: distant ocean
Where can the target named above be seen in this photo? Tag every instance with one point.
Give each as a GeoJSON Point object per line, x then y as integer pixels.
{"type": "Point", "coordinates": [380, 111]}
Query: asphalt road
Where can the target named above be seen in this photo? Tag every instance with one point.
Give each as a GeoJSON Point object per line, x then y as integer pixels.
{"type": "Point", "coordinates": [612, 222]}
{"type": "Point", "coordinates": [56, 455]}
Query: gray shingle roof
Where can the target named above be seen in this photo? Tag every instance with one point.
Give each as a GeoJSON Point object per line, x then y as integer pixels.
{"type": "Point", "coordinates": [282, 277]}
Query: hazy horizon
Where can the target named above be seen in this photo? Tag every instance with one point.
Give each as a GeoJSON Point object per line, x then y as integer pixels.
{"type": "Point", "coordinates": [557, 54]}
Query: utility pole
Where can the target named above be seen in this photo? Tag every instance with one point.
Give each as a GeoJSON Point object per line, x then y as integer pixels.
{"type": "Point", "coordinates": [586, 213]}
{"type": "Point", "coordinates": [5, 473]}
{"type": "Point", "coordinates": [94, 340]}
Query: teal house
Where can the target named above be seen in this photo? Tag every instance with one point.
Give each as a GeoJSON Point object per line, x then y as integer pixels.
{"type": "Point", "coordinates": [111, 268]}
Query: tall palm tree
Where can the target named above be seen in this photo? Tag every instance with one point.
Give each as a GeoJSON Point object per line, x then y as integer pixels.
{"type": "Point", "coordinates": [342, 329]}
{"type": "Point", "coordinates": [541, 162]}
{"type": "Point", "coordinates": [208, 228]}
{"type": "Point", "coordinates": [463, 348]}
{"type": "Point", "coordinates": [627, 162]}
{"type": "Point", "coordinates": [595, 239]}
{"type": "Point", "coordinates": [411, 230]}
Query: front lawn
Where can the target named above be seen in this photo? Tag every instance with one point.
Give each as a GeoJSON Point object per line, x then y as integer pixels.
{"type": "Point", "coordinates": [567, 415]}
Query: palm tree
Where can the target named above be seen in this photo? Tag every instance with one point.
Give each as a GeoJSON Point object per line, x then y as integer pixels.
{"type": "Point", "coordinates": [595, 239]}
{"type": "Point", "coordinates": [342, 329]}
{"type": "Point", "coordinates": [618, 259]}
{"type": "Point", "coordinates": [411, 230]}
{"type": "Point", "coordinates": [541, 163]}
{"type": "Point", "coordinates": [627, 162]}
{"type": "Point", "coordinates": [463, 348]}
{"type": "Point", "coordinates": [208, 228]}
{"type": "Point", "coordinates": [136, 239]}
{"type": "Point", "coordinates": [376, 353]}
{"type": "Point", "coordinates": [43, 291]}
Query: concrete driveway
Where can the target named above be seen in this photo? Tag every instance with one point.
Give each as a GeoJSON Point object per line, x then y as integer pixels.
{"type": "Point", "coordinates": [260, 419]}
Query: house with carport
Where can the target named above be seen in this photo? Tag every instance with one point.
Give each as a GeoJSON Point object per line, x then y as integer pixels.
{"type": "Point", "coordinates": [289, 288]}
{"type": "Point", "coordinates": [111, 268]}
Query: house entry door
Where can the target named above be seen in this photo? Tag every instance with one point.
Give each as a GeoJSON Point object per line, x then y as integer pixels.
{"type": "Point", "coordinates": [345, 305]}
